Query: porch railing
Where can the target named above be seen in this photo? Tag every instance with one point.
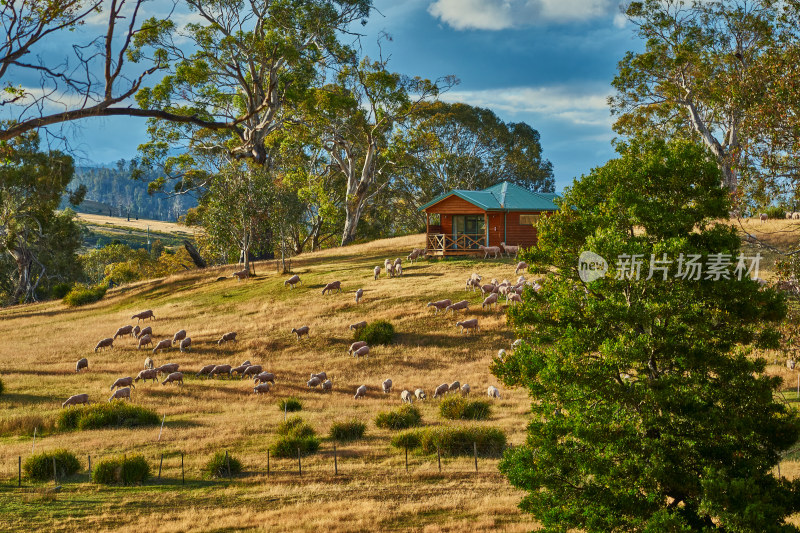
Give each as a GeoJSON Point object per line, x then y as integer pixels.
{"type": "Point", "coordinates": [441, 241]}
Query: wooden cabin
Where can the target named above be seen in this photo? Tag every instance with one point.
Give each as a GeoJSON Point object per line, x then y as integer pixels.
{"type": "Point", "coordinates": [460, 221]}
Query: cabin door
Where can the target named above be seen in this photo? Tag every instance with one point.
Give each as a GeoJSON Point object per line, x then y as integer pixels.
{"type": "Point", "coordinates": [470, 225]}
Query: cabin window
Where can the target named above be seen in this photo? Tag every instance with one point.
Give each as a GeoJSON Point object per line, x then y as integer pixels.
{"type": "Point", "coordinates": [528, 220]}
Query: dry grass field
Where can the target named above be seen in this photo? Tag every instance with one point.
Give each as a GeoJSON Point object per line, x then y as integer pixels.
{"type": "Point", "coordinates": [140, 224]}
{"type": "Point", "coordinates": [42, 342]}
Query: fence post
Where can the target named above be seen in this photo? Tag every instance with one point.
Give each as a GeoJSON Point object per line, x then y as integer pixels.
{"type": "Point", "coordinates": [406, 448]}
{"type": "Point", "coordinates": [284, 410]}
{"type": "Point", "coordinates": [19, 483]}
{"type": "Point", "coordinates": [475, 451]}
{"type": "Point", "coordinates": [439, 457]}
{"type": "Point", "coordinates": [299, 462]}
{"type": "Point", "coordinates": [183, 476]}
{"type": "Point", "coordinates": [228, 462]}
{"type": "Point", "coordinates": [335, 464]}
{"type": "Point", "coordinates": [159, 466]}
{"type": "Point", "coordinates": [267, 462]}
{"type": "Point", "coordinates": [89, 457]}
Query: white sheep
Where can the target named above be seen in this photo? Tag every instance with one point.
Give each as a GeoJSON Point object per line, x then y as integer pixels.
{"type": "Point", "coordinates": [763, 217]}
{"type": "Point", "coordinates": [251, 371]}
{"type": "Point", "coordinates": [291, 282]}
{"type": "Point", "coordinates": [489, 300]}
{"type": "Point", "coordinates": [387, 386]}
{"type": "Point", "coordinates": [465, 389]}
{"type": "Point", "coordinates": [359, 294]}
{"type": "Point", "coordinates": [796, 215]}
{"type": "Point", "coordinates": [516, 344]}
{"type": "Point", "coordinates": [509, 249]}
{"type": "Point", "coordinates": [454, 387]}
{"type": "Point", "coordinates": [514, 298]}
{"type": "Point", "coordinates": [313, 382]}
{"type": "Point", "coordinates": [105, 343]}
{"type": "Point", "coordinates": [261, 387]}
{"type": "Point", "coordinates": [146, 331]}
{"type": "Point", "coordinates": [398, 269]}
{"type": "Point", "coordinates": [265, 377]}
{"type": "Point", "coordinates": [333, 286]}
{"type": "Point", "coordinates": [228, 337]}
{"type": "Point", "coordinates": [522, 265]}
{"type": "Point", "coordinates": [179, 336]}
{"type": "Point", "coordinates": [440, 390]}
{"type": "Point", "coordinates": [501, 353]}
{"type": "Point", "coordinates": [302, 330]}
{"type": "Point", "coordinates": [148, 363]}
{"type": "Point", "coordinates": [144, 375]}
{"type": "Point", "coordinates": [358, 325]}
{"type": "Point", "coordinates": [136, 331]}
{"type": "Point", "coordinates": [790, 364]}
{"type": "Point", "coordinates": [471, 284]}
{"type": "Point", "coordinates": [420, 394]}
{"type": "Point", "coordinates": [144, 340]}
{"type": "Point", "coordinates": [471, 324]}
{"type": "Point", "coordinates": [205, 370]}
{"type": "Point", "coordinates": [76, 399]}
{"type": "Point", "coordinates": [327, 385]}
{"type": "Point", "coordinates": [439, 305]}
{"type": "Point", "coordinates": [124, 330]}
{"type": "Point", "coordinates": [168, 368]}
{"type": "Point", "coordinates": [162, 345]}
{"type": "Point", "coordinates": [322, 376]}
{"type": "Point", "coordinates": [389, 266]}
{"type": "Point", "coordinates": [475, 276]}
{"type": "Point", "coordinates": [81, 364]}
{"type": "Point", "coordinates": [489, 288]}
{"type": "Point", "coordinates": [124, 392]}
{"type": "Point", "coordinates": [185, 343]}
{"type": "Point", "coordinates": [492, 392]}
{"type": "Point", "coordinates": [413, 256]}
{"type": "Point", "coordinates": [239, 369]}
{"type": "Point", "coordinates": [174, 377]}
{"type": "Point", "coordinates": [364, 350]}
{"type": "Point", "coordinates": [144, 314]}
{"type": "Point", "coordinates": [355, 346]}
{"type": "Point", "coordinates": [406, 397]}
{"type": "Point", "coordinates": [220, 369]}
{"type": "Point", "coordinates": [360, 392]}
{"type": "Point", "coordinates": [489, 250]}
{"type": "Point", "coordinates": [458, 306]}
{"type": "Point", "coordinates": [241, 274]}
{"type": "Point", "coordinates": [123, 382]}
{"type": "Point", "coordinates": [520, 279]}
{"type": "Point", "coordinates": [377, 271]}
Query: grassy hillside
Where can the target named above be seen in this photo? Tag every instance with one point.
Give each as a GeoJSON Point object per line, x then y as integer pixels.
{"type": "Point", "coordinates": [101, 230]}
{"type": "Point", "coordinates": [41, 344]}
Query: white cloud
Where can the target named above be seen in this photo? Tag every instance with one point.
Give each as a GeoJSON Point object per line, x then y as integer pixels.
{"type": "Point", "coordinates": [505, 14]}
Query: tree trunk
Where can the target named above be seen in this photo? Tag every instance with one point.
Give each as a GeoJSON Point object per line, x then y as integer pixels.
{"type": "Point", "coordinates": [22, 257]}
{"type": "Point", "coordinates": [195, 255]}
{"type": "Point", "coordinates": [352, 215]}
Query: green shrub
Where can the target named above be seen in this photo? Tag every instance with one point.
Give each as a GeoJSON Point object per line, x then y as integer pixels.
{"type": "Point", "coordinates": [60, 290]}
{"type": "Point", "coordinates": [218, 465]}
{"type": "Point", "coordinates": [295, 433]}
{"type": "Point", "coordinates": [458, 408]}
{"type": "Point", "coordinates": [775, 212]}
{"type": "Point", "coordinates": [102, 415]}
{"type": "Point", "coordinates": [295, 427]}
{"type": "Point", "coordinates": [82, 295]}
{"type": "Point", "coordinates": [378, 332]}
{"type": "Point", "coordinates": [404, 417]}
{"type": "Point", "coordinates": [290, 404]}
{"type": "Point", "coordinates": [39, 467]}
{"type": "Point", "coordinates": [124, 470]}
{"type": "Point", "coordinates": [348, 431]}
{"type": "Point", "coordinates": [26, 425]}
{"type": "Point", "coordinates": [454, 440]}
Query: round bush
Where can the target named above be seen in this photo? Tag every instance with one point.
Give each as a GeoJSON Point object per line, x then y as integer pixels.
{"type": "Point", "coordinates": [39, 467]}
{"type": "Point", "coordinates": [82, 295]}
{"type": "Point", "coordinates": [102, 415]}
{"type": "Point", "coordinates": [218, 465]}
{"type": "Point", "coordinates": [378, 332]}
{"type": "Point", "coordinates": [121, 470]}
{"type": "Point", "coordinates": [348, 431]}
{"type": "Point", "coordinates": [295, 433]}
{"type": "Point", "coordinates": [406, 439]}
{"type": "Point", "coordinates": [458, 408]}
{"type": "Point", "coordinates": [402, 418]}
{"type": "Point", "coordinates": [290, 405]}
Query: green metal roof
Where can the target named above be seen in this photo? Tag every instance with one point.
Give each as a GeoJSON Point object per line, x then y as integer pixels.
{"type": "Point", "coordinates": [504, 196]}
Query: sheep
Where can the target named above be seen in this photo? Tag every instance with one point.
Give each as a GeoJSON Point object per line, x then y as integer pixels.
{"type": "Point", "coordinates": [454, 386]}
{"type": "Point", "coordinates": [504, 290]}
{"type": "Point", "coordinates": [398, 270]}
{"type": "Point", "coordinates": [241, 274]}
{"type": "Point", "coordinates": [123, 382]}
{"type": "Point", "coordinates": [516, 344]}
{"type": "Point", "coordinates": [359, 294]}
{"type": "Point", "coordinates": [471, 284]}
{"type": "Point", "coordinates": [252, 370]}
{"type": "Point", "coordinates": [302, 330]}
{"type": "Point", "coordinates": [173, 377]}
{"type": "Point", "coordinates": [146, 331]}
{"type": "Point", "coordinates": [291, 282]}
{"type": "Point", "coordinates": [205, 370]}
{"type": "Point", "coordinates": [420, 394]}
{"type": "Point", "coordinates": [364, 350]}
{"type": "Point", "coordinates": [788, 215]}
{"type": "Point", "coordinates": [387, 386]}
{"type": "Point", "coordinates": [468, 325]}
{"type": "Point", "coordinates": [439, 305]}
{"type": "Point", "coordinates": [239, 369]}
{"type": "Point", "coordinates": [377, 272]}
{"type": "Point", "coordinates": [162, 345]}
{"type": "Point", "coordinates": [465, 389]}
{"type": "Point", "coordinates": [475, 276]}
{"type": "Point", "coordinates": [398, 261]}
{"type": "Point", "coordinates": [360, 392]}
{"type": "Point", "coordinates": [520, 279]}
{"type": "Point", "coordinates": [413, 256]}
{"type": "Point", "coordinates": [514, 298]}
{"type": "Point", "coordinates": [168, 368]}
{"type": "Point", "coordinates": [185, 343]}
{"type": "Point", "coordinates": [489, 300]}
{"type": "Point", "coordinates": [358, 325]}
{"type": "Point", "coordinates": [489, 250]}
{"type": "Point", "coordinates": [355, 346]}
{"type": "Point", "coordinates": [228, 337]}
{"type": "Point", "coordinates": [265, 377]}
{"type": "Point", "coordinates": [489, 288]}
{"type": "Point", "coordinates": [261, 387]}
{"type": "Point", "coordinates": [501, 354]}
{"type": "Point", "coordinates": [144, 340]}
{"type": "Point", "coordinates": [509, 249]}
{"type": "Point", "coordinates": [144, 375]}
{"type": "Point", "coordinates": [148, 363]}
{"type": "Point", "coordinates": [322, 376]}
{"type": "Point", "coordinates": [333, 286]}
{"type": "Point", "coordinates": [179, 336]}
{"type": "Point", "coordinates": [389, 266]}
{"type": "Point", "coordinates": [136, 331]}
{"type": "Point", "coordinates": [144, 314]}
{"type": "Point", "coordinates": [522, 265]}
{"type": "Point", "coordinates": [327, 385]}
{"type": "Point", "coordinates": [405, 397]}
{"type": "Point", "coordinates": [492, 392]}
{"type": "Point", "coordinates": [220, 369]}
{"type": "Point", "coordinates": [76, 399]}
{"type": "Point", "coordinates": [81, 364]}
{"type": "Point", "coordinates": [796, 215]}
{"type": "Point", "coordinates": [440, 390]}
{"type": "Point", "coordinates": [790, 364]}
{"type": "Point", "coordinates": [108, 342]}
{"type": "Point", "coordinates": [313, 382]}
{"type": "Point", "coordinates": [124, 330]}
{"type": "Point", "coordinates": [458, 306]}
{"type": "Point", "coordinates": [763, 217]}
{"type": "Point", "coordinates": [124, 392]}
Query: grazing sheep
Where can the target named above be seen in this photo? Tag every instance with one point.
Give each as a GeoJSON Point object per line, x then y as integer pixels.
{"type": "Point", "coordinates": [492, 392]}
{"type": "Point", "coordinates": [228, 337]}
{"type": "Point", "coordinates": [205, 370]}
{"type": "Point", "coordinates": [465, 389]}
{"type": "Point", "coordinates": [389, 269]}
{"type": "Point", "coordinates": [333, 286]}
{"type": "Point", "coordinates": [516, 344]}
{"type": "Point", "coordinates": [489, 300]}
{"type": "Point", "coordinates": [174, 377]}
{"type": "Point", "coordinates": [458, 306]}
{"type": "Point", "coordinates": [509, 249]}
{"type": "Point", "coordinates": [398, 261]}
{"type": "Point", "coordinates": [501, 353]}
{"type": "Point", "coordinates": [261, 387]}
{"type": "Point", "coordinates": [146, 331]}
{"type": "Point", "coordinates": [136, 331]}
{"type": "Point", "coordinates": [763, 217]}
{"type": "Point", "coordinates": [788, 215]}
{"type": "Point", "coordinates": [358, 325]}
{"type": "Point", "coordinates": [239, 369]}
{"type": "Point", "coordinates": [440, 305]}
{"type": "Point", "coordinates": [327, 385]}
{"type": "Point", "coordinates": [252, 370]}
{"type": "Point", "coordinates": [420, 394]}
{"type": "Point", "coordinates": [440, 390]}
{"type": "Point", "coordinates": [124, 392]}
{"type": "Point", "coordinates": [162, 345]}
{"type": "Point", "coordinates": [364, 350]}
{"type": "Point", "coordinates": [454, 386]}
{"type": "Point", "coordinates": [220, 369]}
{"type": "Point", "coordinates": [355, 346]}
{"type": "Point", "coordinates": [179, 336]}
{"type": "Point", "coordinates": [144, 340]}
{"type": "Point", "coordinates": [514, 298]}
{"type": "Point", "coordinates": [185, 343]}
{"type": "Point", "coordinates": [81, 364]}
{"type": "Point", "coordinates": [489, 250]}
{"type": "Point", "coordinates": [168, 368]}
{"type": "Point", "coordinates": [790, 364]}
{"type": "Point", "coordinates": [246, 363]}
{"type": "Point", "coordinates": [405, 397]}
{"type": "Point", "coordinates": [322, 376]}
{"type": "Point", "coordinates": [387, 386]}
{"type": "Point", "coordinates": [144, 375]}
{"type": "Point", "coordinates": [105, 343]}
{"type": "Point", "coordinates": [476, 276]}
{"type": "Point", "coordinates": [522, 265]}
{"type": "Point", "coordinates": [489, 288]}
{"type": "Point", "coordinates": [148, 363]}
{"type": "Point", "coordinates": [359, 294]}
{"type": "Point", "coordinates": [303, 330]}
{"type": "Point", "coordinates": [123, 382]}
{"type": "Point", "coordinates": [412, 256]}
{"type": "Point", "coordinates": [144, 314]}
{"type": "Point", "coordinates": [291, 282]}
{"type": "Point", "coordinates": [471, 284]}
{"type": "Point", "coordinates": [796, 215]}
{"type": "Point", "coordinates": [124, 330]}
{"type": "Point", "coordinates": [521, 279]}
{"type": "Point", "coordinates": [76, 400]}
{"type": "Point", "coordinates": [313, 382]}
{"type": "Point", "coordinates": [471, 324]}
{"type": "Point", "coordinates": [360, 392]}
{"type": "Point", "coordinates": [377, 272]}
{"type": "Point", "coordinates": [241, 274]}
{"type": "Point", "coordinates": [265, 377]}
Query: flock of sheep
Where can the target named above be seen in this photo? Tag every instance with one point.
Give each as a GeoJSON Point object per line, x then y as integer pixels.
{"type": "Point", "coordinates": [263, 380]}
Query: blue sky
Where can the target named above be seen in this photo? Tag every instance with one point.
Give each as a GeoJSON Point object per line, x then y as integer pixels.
{"type": "Point", "coordinates": [545, 62]}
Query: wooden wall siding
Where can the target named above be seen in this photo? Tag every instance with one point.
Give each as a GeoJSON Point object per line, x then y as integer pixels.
{"type": "Point", "coordinates": [453, 205]}
{"type": "Point", "coordinates": [520, 235]}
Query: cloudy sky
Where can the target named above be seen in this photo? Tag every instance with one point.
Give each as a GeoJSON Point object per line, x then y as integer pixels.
{"type": "Point", "coordinates": [545, 62]}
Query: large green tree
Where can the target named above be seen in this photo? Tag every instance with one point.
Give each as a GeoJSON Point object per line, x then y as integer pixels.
{"type": "Point", "coordinates": [651, 408]}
